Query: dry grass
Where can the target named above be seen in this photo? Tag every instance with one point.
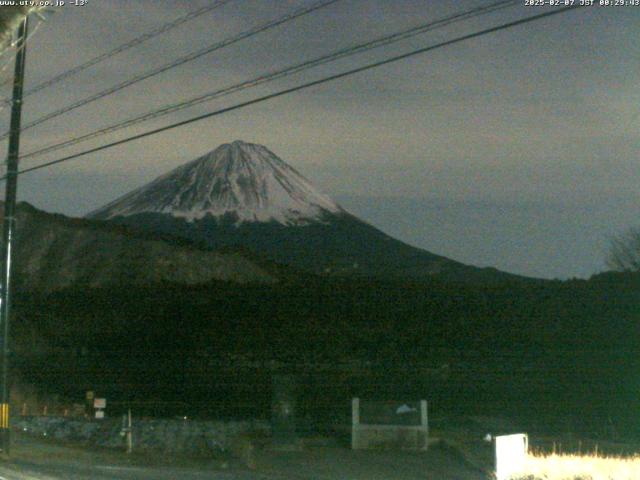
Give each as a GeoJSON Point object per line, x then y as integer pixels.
{"type": "Point", "coordinates": [580, 467]}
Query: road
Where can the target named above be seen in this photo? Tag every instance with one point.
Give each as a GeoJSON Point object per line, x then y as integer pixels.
{"type": "Point", "coordinates": [40, 459]}
{"type": "Point", "coordinates": [22, 471]}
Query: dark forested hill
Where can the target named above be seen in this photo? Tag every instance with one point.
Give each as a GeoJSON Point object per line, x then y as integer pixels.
{"type": "Point", "coordinates": [551, 348]}
{"type": "Point", "coordinates": [54, 252]}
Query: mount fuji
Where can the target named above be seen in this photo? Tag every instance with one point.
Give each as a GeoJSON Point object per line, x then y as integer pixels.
{"type": "Point", "coordinates": [237, 183]}
{"type": "Point", "coordinates": [242, 195]}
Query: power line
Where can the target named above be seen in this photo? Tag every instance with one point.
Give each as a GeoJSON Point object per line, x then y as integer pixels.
{"type": "Point", "coordinates": [125, 46]}
{"type": "Point", "coordinates": [268, 77]}
{"type": "Point", "coordinates": [302, 87]}
{"type": "Point", "coordinates": [180, 61]}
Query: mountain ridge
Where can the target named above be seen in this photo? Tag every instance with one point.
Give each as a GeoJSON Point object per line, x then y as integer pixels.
{"type": "Point", "coordinates": [243, 195]}
{"type": "Point", "coordinates": [54, 252]}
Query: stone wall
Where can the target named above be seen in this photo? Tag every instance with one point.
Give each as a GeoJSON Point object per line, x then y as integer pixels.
{"type": "Point", "coordinates": [166, 435]}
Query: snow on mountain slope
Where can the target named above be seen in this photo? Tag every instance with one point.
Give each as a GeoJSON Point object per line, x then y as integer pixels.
{"type": "Point", "coordinates": [242, 180]}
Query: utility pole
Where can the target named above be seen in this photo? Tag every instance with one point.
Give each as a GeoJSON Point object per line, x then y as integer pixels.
{"type": "Point", "coordinates": [11, 190]}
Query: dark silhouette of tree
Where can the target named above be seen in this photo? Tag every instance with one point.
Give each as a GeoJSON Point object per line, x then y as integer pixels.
{"type": "Point", "coordinates": [624, 253]}
{"type": "Point", "coordinates": [10, 17]}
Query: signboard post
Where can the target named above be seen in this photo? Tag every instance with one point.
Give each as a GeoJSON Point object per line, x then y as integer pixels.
{"type": "Point", "coordinates": [88, 404]}
{"type": "Point", "coordinates": [99, 404]}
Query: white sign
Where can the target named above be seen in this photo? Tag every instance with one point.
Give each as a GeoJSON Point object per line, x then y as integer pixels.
{"type": "Point", "coordinates": [100, 414]}
{"type": "Point", "coordinates": [511, 454]}
{"type": "Point", "coordinates": [99, 403]}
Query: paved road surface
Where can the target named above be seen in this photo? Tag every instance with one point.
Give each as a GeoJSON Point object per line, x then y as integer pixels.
{"type": "Point", "coordinates": [23, 471]}
{"type": "Point", "coordinates": [36, 459]}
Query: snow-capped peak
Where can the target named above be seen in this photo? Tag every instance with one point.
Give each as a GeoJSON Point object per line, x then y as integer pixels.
{"type": "Point", "coordinates": [244, 180]}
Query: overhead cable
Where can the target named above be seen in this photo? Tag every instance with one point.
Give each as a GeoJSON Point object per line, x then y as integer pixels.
{"type": "Point", "coordinates": [275, 75]}
{"type": "Point", "coordinates": [124, 47]}
{"type": "Point", "coordinates": [180, 61]}
{"type": "Point", "coordinates": [303, 87]}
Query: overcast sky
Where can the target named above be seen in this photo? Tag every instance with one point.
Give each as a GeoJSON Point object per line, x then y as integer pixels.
{"type": "Point", "coordinates": [516, 150]}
